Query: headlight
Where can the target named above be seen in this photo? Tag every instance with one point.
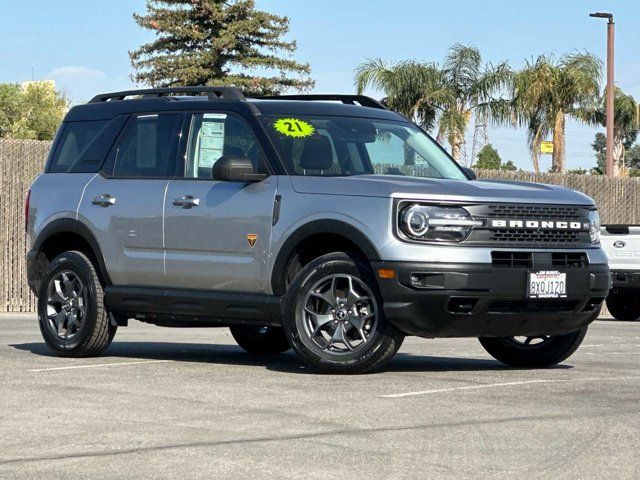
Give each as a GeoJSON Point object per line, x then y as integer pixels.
{"type": "Point", "coordinates": [439, 224]}
{"type": "Point", "coordinates": [594, 226]}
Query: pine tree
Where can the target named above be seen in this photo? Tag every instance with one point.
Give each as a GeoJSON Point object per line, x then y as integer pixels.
{"type": "Point", "coordinates": [488, 158]}
{"type": "Point", "coordinates": [217, 42]}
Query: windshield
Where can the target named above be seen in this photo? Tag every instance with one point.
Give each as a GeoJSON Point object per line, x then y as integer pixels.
{"type": "Point", "coordinates": [344, 146]}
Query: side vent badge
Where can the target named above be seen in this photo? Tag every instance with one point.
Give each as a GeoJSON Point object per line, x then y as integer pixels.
{"type": "Point", "coordinates": [252, 238]}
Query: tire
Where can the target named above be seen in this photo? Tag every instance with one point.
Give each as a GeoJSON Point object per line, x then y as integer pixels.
{"type": "Point", "coordinates": [534, 352]}
{"type": "Point", "coordinates": [260, 340]}
{"type": "Point", "coordinates": [624, 307]}
{"type": "Point", "coordinates": [73, 319]}
{"type": "Point", "coordinates": [341, 329]}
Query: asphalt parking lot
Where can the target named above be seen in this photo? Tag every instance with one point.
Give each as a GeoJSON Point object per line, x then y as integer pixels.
{"type": "Point", "coordinates": [167, 403]}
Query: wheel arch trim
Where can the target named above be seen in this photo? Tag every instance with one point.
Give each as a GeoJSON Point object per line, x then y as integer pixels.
{"type": "Point", "coordinates": [319, 227]}
{"type": "Point", "coordinates": [74, 227]}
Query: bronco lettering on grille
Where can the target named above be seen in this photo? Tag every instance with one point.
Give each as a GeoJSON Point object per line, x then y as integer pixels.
{"type": "Point", "coordinates": [539, 224]}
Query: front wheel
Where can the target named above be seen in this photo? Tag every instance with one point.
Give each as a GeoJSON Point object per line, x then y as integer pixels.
{"type": "Point", "coordinates": [533, 352]}
{"type": "Point", "coordinates": [624, 307]}
{"type": "Point", "coordinates": [333, 317]}
{"type": "Point", "coordinates": [260, 340]}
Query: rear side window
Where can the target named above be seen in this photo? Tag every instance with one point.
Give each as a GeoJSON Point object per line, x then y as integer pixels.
{"type": "Point", "coordinates": [148, 149]}
{"type": "Point", "coordinates": [76, 137]}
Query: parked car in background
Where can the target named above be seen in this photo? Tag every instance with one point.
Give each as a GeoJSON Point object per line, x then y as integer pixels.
{"type": "Point", "coordinates": [622, 244]}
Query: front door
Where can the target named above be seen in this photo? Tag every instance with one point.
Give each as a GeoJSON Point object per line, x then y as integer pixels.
{"type": "Point", "coordinates": [217, 232]}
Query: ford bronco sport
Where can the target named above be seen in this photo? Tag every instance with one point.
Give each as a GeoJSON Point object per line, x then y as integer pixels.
{"type": "Point", "coordinates": [324, 223]}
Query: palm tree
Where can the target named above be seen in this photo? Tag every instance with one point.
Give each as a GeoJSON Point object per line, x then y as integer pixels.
{"type": "Point", "coordinates": [411, 88]}
{"type": "Point", "coordinates": [546, 91]}
{"type": "Point", "coordinates": [626, 121]}
{"type": "Point", "coordinates": [445, 96]}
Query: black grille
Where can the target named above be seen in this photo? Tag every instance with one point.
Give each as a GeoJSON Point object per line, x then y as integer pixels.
{"type": "Point", "coordinates": [518, 306]}
{"type": "Point", "coordinates": [521, 237]}
{"type": "Point", "coordinates": [569, 260]}
{"type": "Point", "coordinates": [512, 259]}
{"type": "Point", "coordinates": [556, 237]}
{"type": "Point", "coordinates": [535, 211]}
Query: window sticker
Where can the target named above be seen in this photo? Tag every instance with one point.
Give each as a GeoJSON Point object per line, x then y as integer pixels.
{"type": "Point", "coordinates": [211, 139]}
{"type": "Point", "coordinates": [294, 127]}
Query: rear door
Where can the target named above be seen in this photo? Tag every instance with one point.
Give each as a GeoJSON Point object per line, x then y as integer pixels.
{"type": "Point", "coordinates": [123, 205]}
{"type": "Point", "coordinates": [217, 232]}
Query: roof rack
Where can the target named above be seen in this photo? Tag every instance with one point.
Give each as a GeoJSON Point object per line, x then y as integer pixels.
{"type": "Point", "coordinates": [213, 93]}
{"type": "Point", "coordinates": [348, 99]}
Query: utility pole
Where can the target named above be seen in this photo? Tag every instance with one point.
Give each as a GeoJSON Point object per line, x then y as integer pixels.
{"type": "Point", "coordinates": [610, 88]}
{"type": "Point", "coordinates": [480, 137]}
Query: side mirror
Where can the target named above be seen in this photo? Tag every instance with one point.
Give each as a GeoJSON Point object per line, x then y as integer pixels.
{"type": "Point", "coordinates": [236, 169]}
{"type": "Point", "coordinates": [470, 173]}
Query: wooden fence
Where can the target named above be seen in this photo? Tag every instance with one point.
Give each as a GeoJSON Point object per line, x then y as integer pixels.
{"type": "Point", "coordinates": [20, 162]}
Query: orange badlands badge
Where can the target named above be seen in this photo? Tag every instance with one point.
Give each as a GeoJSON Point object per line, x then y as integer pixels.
{"type": "Point", "coordinates": [252, 238]}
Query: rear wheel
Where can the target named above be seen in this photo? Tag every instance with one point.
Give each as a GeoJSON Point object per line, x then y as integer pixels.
{"type": "Point", "coordinates": [260, 340]}
{"type": "Point", "coordinates": [534, 351]}
{"type": "Point", "coordinates": [72, 316]}
{"type": "Point", "coordinates": [333, 317]}
{"type": "Point", "coordinates": [624, 307]}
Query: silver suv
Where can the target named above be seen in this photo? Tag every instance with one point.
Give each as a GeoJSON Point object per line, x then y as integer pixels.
{"type": "Point", "coordinates": [323, 223]}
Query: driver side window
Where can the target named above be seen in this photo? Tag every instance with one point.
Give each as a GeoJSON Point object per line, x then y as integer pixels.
{"type": "Point", "coordinates": [213, 136]}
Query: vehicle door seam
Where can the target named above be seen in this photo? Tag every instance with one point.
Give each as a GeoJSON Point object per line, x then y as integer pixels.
{"type": "Point", "coordinates": [77, 216]}
{"type": "Point", "coordinates": [164, 246]}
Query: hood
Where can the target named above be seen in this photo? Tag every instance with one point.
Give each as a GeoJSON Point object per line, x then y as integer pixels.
{"type": "Point", "coordinates": [396, 186]}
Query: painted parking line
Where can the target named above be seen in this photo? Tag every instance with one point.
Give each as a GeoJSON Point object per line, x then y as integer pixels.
{"type": "Point", "coordinates": [97, 365]}
{"type": "Point", "coordinates": [503, 384]}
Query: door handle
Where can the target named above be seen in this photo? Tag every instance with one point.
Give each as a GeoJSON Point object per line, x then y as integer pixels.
{"type": "Point", "coordinates": [104, 200]}
{"type": "Point", "coordinates": [188, 201]}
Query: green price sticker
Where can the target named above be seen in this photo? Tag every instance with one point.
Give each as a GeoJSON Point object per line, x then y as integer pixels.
{"type": "Point", "coordinates": [294, 127]}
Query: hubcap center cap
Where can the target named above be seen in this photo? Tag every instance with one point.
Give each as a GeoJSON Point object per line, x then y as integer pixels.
{"type": "Point", "coordinates": [341, 314]}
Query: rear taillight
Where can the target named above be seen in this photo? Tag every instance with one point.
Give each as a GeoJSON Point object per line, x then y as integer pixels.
{"type": "Point", "coordinates": [26, 211]}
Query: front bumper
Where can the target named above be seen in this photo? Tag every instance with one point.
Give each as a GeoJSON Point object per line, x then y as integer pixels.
{"type": "Point", "coordinates": [625, 280]}
{"type": "Point", "coordinates": [476, 300]}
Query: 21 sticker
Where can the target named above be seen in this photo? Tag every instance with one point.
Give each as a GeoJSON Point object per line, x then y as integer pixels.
{"type": "Point", "coordinates": [294, 127]}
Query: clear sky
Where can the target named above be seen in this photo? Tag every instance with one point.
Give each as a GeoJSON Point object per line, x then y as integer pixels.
{"type": "Point", "coordinates": [83, 45]}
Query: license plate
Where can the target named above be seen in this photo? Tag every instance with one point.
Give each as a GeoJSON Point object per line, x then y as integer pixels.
{"type": "Point", "coordinates": [547, 284]}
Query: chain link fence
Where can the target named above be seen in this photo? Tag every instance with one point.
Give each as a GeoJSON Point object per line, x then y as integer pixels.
{"type": "Point", "coordinates": [22, 160]}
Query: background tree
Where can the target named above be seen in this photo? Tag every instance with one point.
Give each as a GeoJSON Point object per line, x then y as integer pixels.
{"type": "Point", "coordinates": [632, 158]}
{"type": "Point", "coordinates": [545, 91]}
{"type": "Point", "coordinates": [509, 166]}
{"type": "Point", "coordinates": [488, 158]}
{"type": "Point", "coordinates": [414, 89]}
{"type": "Point", "coordinates": [625, 127]}
{"type": "Point", "coordinates": [443, 97]}
{"type": "Point", "coordinates": [32, 111]}
{"type": "Point", "coordinates": [217, 42]}
{"type": "Point", "coordinates": [599, 146]}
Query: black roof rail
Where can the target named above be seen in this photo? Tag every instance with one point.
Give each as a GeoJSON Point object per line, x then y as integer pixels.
{"type": "Point", "coordinates": [213, 93]}
{"type": "Point", "coordinates": [348, 99]}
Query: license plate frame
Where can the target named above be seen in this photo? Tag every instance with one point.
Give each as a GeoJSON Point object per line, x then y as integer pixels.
{"type": "Point", "coordinates": [546, 284]}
